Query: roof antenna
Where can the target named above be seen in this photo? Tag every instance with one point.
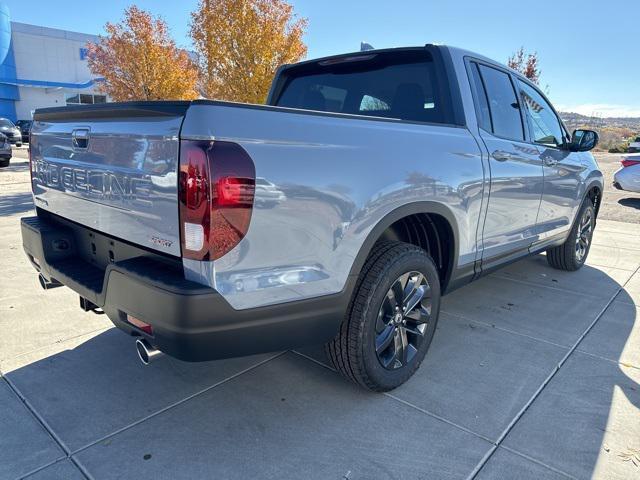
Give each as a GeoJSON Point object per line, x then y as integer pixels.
{"type": "Point", "coordinates": [364, 46]}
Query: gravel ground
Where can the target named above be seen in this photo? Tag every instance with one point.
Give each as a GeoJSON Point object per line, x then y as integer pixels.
{"type": "Point", "coordinates": [616, 205]}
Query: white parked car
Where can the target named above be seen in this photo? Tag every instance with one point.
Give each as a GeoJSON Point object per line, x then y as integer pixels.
{"type": "Point", "coordinates": [635, 145]}
{"type": "Point", "coordinates": [267, 194]}
{"type": "Point", "coordinates": [628, 177]}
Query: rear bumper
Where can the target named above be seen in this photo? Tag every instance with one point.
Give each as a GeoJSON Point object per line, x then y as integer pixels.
{"type": "Point", "coordinates": [189, 321]}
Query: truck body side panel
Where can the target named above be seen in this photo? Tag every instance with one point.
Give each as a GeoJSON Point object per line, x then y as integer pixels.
{"type": "Point", "coordinates": [335, 178]}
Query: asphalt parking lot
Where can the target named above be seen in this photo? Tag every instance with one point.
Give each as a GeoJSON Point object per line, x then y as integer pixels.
{"type": "Point", "coordinates": [533, 374]}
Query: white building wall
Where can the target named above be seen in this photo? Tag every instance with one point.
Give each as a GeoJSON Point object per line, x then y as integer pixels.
{"type": "Point", "coordinates": [32, 98]}
{"type": "Point", "coordinates": [50, 55]}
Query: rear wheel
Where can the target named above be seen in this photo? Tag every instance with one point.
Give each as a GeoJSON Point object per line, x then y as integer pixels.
{"type": "Point", "coordinates": [4, 162]}
{"type": "Point", "coordinates": [391, 318]}
{"type": "Point", "coordinates": [572, 254]}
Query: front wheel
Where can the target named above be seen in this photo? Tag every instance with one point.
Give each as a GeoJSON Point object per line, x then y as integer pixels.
{"type": "Point", "coordinates": [572, 254]}
{"type": "Point", "coordinates": [4, 162]}
{"type": "Point", "coordinates": [391, 318]}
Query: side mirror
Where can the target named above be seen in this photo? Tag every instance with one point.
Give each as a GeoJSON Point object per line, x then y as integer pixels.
{"type": "Point", "coordinates": [583, 140]}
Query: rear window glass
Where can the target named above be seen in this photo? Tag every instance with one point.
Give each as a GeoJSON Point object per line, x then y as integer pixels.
{"type": "Point", "coordinates": [400, 85]}
{"type": "Point", "coordinates": [503, 104]}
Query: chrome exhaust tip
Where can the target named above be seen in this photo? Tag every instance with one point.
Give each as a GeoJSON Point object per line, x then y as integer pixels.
{"type": "Point", "coordinates": [46, 284]}
{"type": "Point", "coordinates": [147, 352]}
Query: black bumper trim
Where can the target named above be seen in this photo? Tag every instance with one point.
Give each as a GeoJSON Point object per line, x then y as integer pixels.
{"type": "Point", "coordinates": [190, 322]}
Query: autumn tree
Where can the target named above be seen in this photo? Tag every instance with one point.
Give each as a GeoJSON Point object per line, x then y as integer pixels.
{"type": "Point", "coordinates": [139, 61]}
{"type": "Point", "coordinates": [526, 63]}
{"type": "Point", "coordinates": [240, 44]}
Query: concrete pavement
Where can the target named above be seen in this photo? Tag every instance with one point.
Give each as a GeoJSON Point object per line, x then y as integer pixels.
{"type": "Point", "coordinates": [533, 373]}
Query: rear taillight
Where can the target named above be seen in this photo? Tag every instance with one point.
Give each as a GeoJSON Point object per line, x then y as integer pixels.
{"type": "Point", "coordinates": [216, 191]}
{"type": "Point", "coordinates": [628, 162]}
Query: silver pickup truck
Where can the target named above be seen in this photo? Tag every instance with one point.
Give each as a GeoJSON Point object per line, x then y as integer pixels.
{"type": "Point", "coordinates": [370, 185]}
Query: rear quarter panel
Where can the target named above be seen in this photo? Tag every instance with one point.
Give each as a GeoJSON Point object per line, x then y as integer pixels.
{"type": "Point", "coordinates": [339, 177]}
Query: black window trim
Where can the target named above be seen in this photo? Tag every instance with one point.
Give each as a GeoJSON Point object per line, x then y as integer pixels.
{"type": "Point", "coordinates": [509, 73]}
{"type": "Point", "coordinates": [470, 67]}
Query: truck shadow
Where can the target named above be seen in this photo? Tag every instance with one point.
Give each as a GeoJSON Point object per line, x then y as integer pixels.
{"type": "Point", "coordinates": [102, 380]}
{"type": "Point", "coordinates": [16, 166]}
{"type": "Point", "coordinates": [15, 203]}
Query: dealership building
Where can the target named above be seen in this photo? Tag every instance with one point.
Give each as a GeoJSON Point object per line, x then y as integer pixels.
{"type": "Point", "coordinates": [43, 67]}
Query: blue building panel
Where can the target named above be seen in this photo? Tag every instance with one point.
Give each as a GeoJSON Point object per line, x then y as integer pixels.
{"type": "Point", "coordinates": [8, 93]}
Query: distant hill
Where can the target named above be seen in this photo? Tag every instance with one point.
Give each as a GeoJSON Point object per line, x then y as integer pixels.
{"type": "Point", "coordinates": [615, 132]}
{"type": "Point", "coordinates": [575, 119]}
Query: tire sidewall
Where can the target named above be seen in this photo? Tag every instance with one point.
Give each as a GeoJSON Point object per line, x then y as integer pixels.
{"type": "Point", "coordinates": [574, 233]}
{"type": "Point", "coordinates": [411, 261]}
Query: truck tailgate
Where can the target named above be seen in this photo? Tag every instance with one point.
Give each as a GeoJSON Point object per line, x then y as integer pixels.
{"type": "Point", "coordinates": [112, 168]}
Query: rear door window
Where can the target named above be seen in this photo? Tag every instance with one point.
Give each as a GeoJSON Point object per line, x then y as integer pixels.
{"type": "Point", "coordinates": [480, 97]}
{"type": "Point", "coordinates": [399, 85]}
{"type": "Point", "coordinates": [504, 108]}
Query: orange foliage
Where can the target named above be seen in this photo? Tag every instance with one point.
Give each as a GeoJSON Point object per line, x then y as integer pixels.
{"type": "Point", "coordinates": [241, 43]}
{"type": "Point", "coordinates": [526, 64]}
{"type": "Point", "coordinates": [139, 61]}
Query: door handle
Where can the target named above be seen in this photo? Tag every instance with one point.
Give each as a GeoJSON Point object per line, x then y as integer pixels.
{"type": "Point", "coordinates": [550, 161]}
{"type": "Point", "coordinates": [502, 156]}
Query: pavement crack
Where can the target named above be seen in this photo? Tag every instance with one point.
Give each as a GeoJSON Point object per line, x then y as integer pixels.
{"type": "Point", "coordinates": [474, 473]}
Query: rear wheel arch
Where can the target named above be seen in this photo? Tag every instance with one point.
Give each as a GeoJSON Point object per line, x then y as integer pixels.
{"type": "Point", "coordinates": [429, 225]}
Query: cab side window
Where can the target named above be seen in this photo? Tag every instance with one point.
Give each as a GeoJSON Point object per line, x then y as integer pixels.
{"type": "Point", "coordinates": [544, 125]}
{"type": "Point", "coordinates": [503, 104]}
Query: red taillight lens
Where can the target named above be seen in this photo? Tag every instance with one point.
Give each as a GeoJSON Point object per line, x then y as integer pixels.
{"type": "Point", "coordinates": [216, 191]}
{"type": "Point", "coordinates": [628, 162]}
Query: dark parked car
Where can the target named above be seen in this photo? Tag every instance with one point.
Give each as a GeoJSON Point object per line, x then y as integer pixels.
{"type": "Point", "coordinates": [12, 132]}
{"type": "Point", "coordinates": [25, 128]}
{"type": "Point", "coordinates": [5, 151]}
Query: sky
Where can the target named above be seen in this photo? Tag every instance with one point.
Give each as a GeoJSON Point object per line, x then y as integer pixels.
{"type": "Point", "coordinates": [589, 50]}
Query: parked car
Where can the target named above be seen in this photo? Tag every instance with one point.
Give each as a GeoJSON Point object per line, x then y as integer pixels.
{"type": "Point", "coordinates": [25, 128]}
{"type": "Point", "coordinates": [634, 146]}
{"type": "Point", "coordinates": [12, 132]}
{"type": "Point", "coordinates": [5, 151]}
{"type": "Point", "coordinates": [267, 194]}
{"type": "Point", "coordinates": [408, 173]}
{"type": "Point", "coordinates": [628, 177]}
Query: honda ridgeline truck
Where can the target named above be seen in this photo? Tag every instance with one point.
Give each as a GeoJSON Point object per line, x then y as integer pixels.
{"type": "Point", "coordinates": [369, 185]}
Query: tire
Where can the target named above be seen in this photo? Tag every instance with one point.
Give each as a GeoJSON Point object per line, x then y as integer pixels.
{"type": "Point", "coordinates": [4, 163]}
{"type": "Point", "coordinates": [18, 144]}
{"type": "Point", "coordinates": [372, 320]}
{"type": "Point", "coordinates": [573, 253]}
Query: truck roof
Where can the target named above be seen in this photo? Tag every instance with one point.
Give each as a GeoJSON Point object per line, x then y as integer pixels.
{"type": "Point", "coordinates": [454, 51]}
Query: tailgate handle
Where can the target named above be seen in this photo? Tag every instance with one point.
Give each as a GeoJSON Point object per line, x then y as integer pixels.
{"type": "Point", "coordinates": [80, 138]}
